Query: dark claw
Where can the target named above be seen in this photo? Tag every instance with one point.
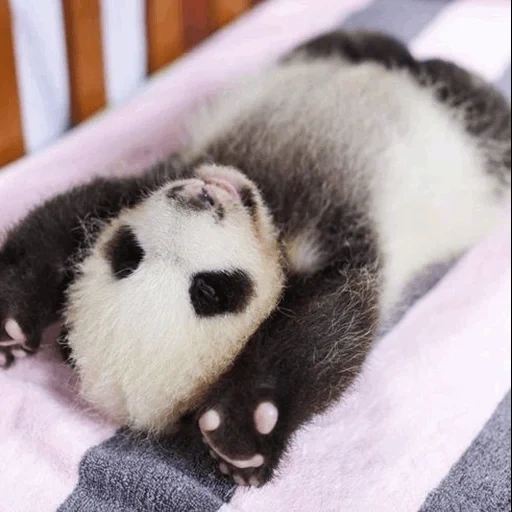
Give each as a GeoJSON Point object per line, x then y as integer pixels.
{"type": "Point", "coordinates": [6, 357]}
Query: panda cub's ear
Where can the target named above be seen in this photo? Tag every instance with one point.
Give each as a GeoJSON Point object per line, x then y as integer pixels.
{"type": "Point", "coordinates": [124, 252]}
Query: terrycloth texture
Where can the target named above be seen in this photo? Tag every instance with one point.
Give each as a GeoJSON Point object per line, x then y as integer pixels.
{"type": "Point", "coordinates": [44, 431]}
{"type": "Point", "coordinates": [125, 474]}
{"type": "Point", "coordinates": [431, 383]}
{"type": "Point", "coordinates": [481, 479]}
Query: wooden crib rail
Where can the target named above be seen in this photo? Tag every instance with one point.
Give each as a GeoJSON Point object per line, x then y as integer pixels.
{"type": "Point", "coordinates": [11, 139]}
{"type": "Point", "coordinates": [172, 27]}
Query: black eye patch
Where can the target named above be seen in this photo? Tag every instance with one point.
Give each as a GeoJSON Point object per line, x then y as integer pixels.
{"type": "Point", "coordinates": [221, 292]}
{"type": "Point", "coordinates": [124, 252]}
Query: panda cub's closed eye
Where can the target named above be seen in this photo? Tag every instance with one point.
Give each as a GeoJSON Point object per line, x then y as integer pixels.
{"type": "Point", "coordinates": [220, 292]}
{"type": "Point", "coordinates": [124, 253]}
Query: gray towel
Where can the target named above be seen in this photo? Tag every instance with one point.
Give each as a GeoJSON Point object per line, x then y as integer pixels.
{"type": "Point", "coordinates": [480, 481]}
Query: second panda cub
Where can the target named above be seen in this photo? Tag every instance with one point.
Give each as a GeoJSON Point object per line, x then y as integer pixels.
{"type": "Point", "coordinates": [246, 279]}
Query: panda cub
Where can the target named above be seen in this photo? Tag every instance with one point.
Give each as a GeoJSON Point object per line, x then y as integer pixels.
{"type": "Point", "coordinates": [245, 280]}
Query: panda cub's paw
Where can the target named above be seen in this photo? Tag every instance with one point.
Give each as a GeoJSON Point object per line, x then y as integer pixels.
{"type": "Point", "coordinates": [14, 342]}
{"type": "Point", "coordinates": [26, 301]}
{"type": "Point", "coordinates": [8, 354]}
{"type": "Point", "coordinates": [243, 433]}
{"type": "Point", "coordinates": [21, 327]}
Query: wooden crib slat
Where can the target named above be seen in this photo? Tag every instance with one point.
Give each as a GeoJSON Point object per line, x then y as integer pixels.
{"type": "Point", "coordinates": [196, 22]}
{"type": "Point", "coordinates": [223, 12]}
{"type": "Point", "coordinates": [173, 27]}
{"type": "Point", "coordinates": [11, 135]}
{"type": "Point", "coordinates": [164, 30]}
{"type": "Point", "coordinates": [82, 19]}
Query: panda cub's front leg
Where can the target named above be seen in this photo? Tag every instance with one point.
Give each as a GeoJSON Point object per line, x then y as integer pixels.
{"type": "Point", "coordinates": [32, 279]}
{"type": "Point", "coordinates": [297, 365]}
{"type": "Point", "coordinates": [38, 257]}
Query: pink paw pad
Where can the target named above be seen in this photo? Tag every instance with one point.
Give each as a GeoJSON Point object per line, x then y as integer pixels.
{"type": "Point", "coordinates": [13, 329]}
{"type": "Point", "coordinates": [18, 353]}
{"type": "Point", "coordinates": [265, 417]}
{"type": "Point", "coordinates": [239, 480]}
{"type": "Point", "coordinates": [209, 421]}
{"type": "Point", "coordinates": [3, 360]}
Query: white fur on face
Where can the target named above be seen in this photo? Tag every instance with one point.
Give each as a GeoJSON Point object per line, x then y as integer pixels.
{"type": "Point", "coordinates": [142, 352]}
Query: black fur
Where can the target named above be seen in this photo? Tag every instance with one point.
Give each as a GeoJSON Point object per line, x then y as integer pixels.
{"type": "Point", "coordinates": [64, 348]}
{"type": "Point", "coordinates": [218, 293]}
{"type": "Point", "coordinates": [359, 47]}
{"type": "Point", "coordinates": [313, 346]}
{"type": "Point", "coordinates": [247, 196]}
{"type": "Point", "coordinates": [124, 253]}
{"type": "Point", "coordinates": [486, 110]}
{"type": "Point", "coordinates": [39, 256]}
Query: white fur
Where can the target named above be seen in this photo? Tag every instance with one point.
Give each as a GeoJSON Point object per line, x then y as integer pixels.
{"type": "Point", "coordinates": [436, 208]}
{"type": "Point", "coordinates": [304, 253]}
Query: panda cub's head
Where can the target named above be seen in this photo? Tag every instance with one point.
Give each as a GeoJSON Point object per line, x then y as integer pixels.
{"type": "Point", "coordinates": [170, 293]}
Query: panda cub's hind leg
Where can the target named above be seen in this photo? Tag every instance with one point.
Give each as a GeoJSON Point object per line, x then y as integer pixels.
{"type": "Point", "coordinates": [296, 365]}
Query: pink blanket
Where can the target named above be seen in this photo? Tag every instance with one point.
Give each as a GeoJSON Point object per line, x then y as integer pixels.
{"type": "Point", "coordinates": [430, 385]}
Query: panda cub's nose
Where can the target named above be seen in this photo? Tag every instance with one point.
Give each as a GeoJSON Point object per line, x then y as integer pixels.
{"type": "Point", "coordinates": [194, 194]}
{"type": "Point", "coordinates": [201, 195]}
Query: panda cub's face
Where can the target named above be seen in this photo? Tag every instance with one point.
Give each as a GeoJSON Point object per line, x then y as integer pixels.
{"type": "Point", "coordinates": [170, 293]}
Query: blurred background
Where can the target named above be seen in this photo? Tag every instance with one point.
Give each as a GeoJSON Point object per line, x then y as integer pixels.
{"type": "Point", "coordinates": [64, 60]}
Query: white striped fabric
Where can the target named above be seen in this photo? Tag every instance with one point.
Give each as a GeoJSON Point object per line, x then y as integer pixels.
{"type": "Point", "coordinates": [124, 47]}
{"type": "Point", "coordinates": [465, 31]}
{"type": "Point", "coordinates": [41, 64]}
